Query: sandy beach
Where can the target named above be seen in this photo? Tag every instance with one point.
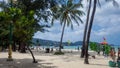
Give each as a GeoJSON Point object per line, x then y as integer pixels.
{"type": "Point", "coordinates": [48, 60]}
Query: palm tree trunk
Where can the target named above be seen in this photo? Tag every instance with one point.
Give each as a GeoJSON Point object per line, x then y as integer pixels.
{"type": "Point", "coordinates": [62, 36]}
{"type": "Point", "coordinates": [34, 60]}
{"type": "Point", "coordinates": [89, 32]}
{"type": "Point", "coordinates": [14, 46]}
{"type": "Point", "coordinates": [85, 31]}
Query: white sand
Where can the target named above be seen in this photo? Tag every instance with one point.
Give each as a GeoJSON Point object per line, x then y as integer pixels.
{"type": "Point", "coordinates": [48, 60]}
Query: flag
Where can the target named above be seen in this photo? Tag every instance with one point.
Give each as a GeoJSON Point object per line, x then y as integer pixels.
{"type": "Point", "coordinates": [104, 38]}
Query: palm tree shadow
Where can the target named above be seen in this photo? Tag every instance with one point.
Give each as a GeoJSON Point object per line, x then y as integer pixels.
{"type": "Point", "coordinates": [99, 64]}
{"type": "Point", "coordinates": [24, 63]}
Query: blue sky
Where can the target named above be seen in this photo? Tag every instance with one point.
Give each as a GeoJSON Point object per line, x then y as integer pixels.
{"type": "Point", "coordinates": [106, 24]}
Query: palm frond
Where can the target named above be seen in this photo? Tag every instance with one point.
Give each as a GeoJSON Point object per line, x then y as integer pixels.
{"type": "Point", "coordinates": [79, 12]}
{"type": "Point", "coordinates": [67, 12]}
{"type": "Point", "coordinates": [74, 18]}
{"type": "Point", "coordinates": [69, 21]}
{"type": "Point", "coordinates": [52, 21]}
{"type": "Point", "coordinates": [78, 17]}
{"type": "Point", "coordinates": [115, 3]}
{"type": "Point", "coordinates": [69, 3]}
{"type": "Point", "coordinates": [76, 6]}
{"type": "Point", "coordinates": [99, 3]}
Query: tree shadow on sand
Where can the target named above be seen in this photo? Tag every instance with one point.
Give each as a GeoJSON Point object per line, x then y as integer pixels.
{"type": "Point", "coordinates": [98, 64]}
{"type": "Point", "coordinates": [43, 53]}
{"type": "Point", "coordinates": [24, 63]}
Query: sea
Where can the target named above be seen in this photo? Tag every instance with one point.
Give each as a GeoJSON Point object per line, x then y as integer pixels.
{"type": "Point", "coordinates": [75, 47]}
{"type": "Point", "coordinates": [64, 47]}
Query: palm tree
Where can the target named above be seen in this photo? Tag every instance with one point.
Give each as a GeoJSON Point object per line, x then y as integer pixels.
{"type": "Point", "coordinates": [90, 27]}
{"type": "Point", "coordinates": [89, 32]}
{"type": "Point", "coordinates": [66, 13]}
{"type": "Point", "coordinates": [85, 30]}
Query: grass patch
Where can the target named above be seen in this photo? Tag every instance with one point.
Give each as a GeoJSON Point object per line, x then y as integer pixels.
{"type": "Point", "coordinates": [59, 53]}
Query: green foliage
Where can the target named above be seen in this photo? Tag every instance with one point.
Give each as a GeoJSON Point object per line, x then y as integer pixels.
{"type": "Point", "coordinates": [93, 46]}
{"type": "Point", "coordinates": [107, 49]}
{"type": "Point", "coordinates": [38, 6]}
{"type": "Point", "coordinates": [22, 25]}
{"type": "Point", "coordinates": [59, 53]}
{"type": "Point", "coordinates": [67, 13]}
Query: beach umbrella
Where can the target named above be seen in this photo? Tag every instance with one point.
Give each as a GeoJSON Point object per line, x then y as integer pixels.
{"type": "Point", "coordinates": [104, 42]}
{"type": "Point", "coordinates": [106, 47]}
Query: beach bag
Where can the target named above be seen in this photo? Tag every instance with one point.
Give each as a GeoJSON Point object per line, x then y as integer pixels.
{"type": "Point", "coordinates": [112, 64]}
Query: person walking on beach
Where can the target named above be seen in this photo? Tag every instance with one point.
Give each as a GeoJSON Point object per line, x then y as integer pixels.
{"type": "Point", "coordinates": [112, 54]}
{"type": "Point", "coordinates": [103, 49]}
{"type": "Point", "coordinates": [118, 59]}
{"type": "Point", "coordinates": [78, 48]}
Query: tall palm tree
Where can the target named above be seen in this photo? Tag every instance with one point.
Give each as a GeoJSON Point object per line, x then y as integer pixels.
{"type": "Point", "coordinates": [66, 13]}
{"type": "Point", "coordinates": [85, 30]}
{"type": "Point", "coordinates": [90, 27]}
{"type": "Point", "coordinates": [89, 32]}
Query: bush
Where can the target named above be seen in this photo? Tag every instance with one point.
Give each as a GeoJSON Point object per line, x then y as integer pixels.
{"type": "Point", "coordinates": [59, 53]}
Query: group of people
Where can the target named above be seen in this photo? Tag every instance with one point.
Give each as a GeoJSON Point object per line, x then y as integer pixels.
{"type": "Point", "coordinates": [113, 54]}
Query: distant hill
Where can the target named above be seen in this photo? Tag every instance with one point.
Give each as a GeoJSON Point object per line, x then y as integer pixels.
{"type": "Point", "coordinates": [53, 43]}
{"type": "Point", "coordinates": [56, 43]}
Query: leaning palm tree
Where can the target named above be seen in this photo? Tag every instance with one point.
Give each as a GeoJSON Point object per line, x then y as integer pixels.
{"type": "Point", "coordinates": [89, 31]}
{"type": "Point", "coordinates": [67, 13]}
{"type": "Point", "coordinates": [85, 31]}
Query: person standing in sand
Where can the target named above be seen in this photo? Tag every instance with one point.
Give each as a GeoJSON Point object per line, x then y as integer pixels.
{"type": "Point", "coordinates": [112, 54]}
{"type": "Point", "coordinates": [118, 59]}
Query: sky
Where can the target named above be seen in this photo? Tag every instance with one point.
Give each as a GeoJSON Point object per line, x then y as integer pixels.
{"type": "Point", "coordinates": [106, 24]}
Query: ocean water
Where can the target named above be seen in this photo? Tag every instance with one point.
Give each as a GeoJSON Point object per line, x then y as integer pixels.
{"type": "Point", "coordinates": [65, 47]}
{"type": "Point", "coordinates": [116, 47]}
{"type": "Point", "coordinates": [74, 47]}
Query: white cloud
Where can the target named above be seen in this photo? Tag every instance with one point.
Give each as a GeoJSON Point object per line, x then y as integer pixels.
{"type": "Point", "coordinates": [55, 33]}
{"type": "Point", "coordinates": [107, 31]}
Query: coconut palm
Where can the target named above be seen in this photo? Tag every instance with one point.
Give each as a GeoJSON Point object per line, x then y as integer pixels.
{"type": "Point", "coordinates": [90, 21]}
{"type": "Point", "coordinates": [66, 13]}
{"type": "Point", "coordinates": [85, 30]}
{"type": "Point", "coordinates": [89, 32]}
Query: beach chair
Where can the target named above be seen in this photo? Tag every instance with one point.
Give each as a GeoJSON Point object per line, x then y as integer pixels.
{"type": "Point", "coordinates": [112, 64]}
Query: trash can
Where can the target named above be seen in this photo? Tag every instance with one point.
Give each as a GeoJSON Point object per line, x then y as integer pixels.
{"type": "Point", "coordinates": [47, 50]}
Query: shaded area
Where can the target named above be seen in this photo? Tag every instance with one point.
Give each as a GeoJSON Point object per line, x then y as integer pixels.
{"type": "Point", "coordinates": [24, 63]}
{"type": "Point", "coordinates": [42, 53]}
{"type": "Point", "coordinates": [99, 64]}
